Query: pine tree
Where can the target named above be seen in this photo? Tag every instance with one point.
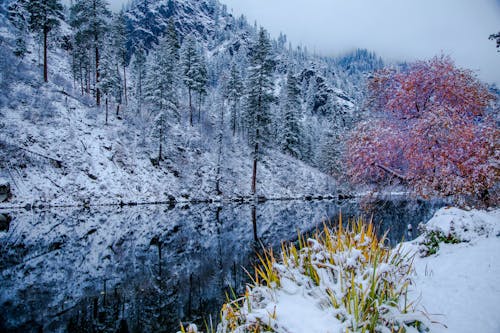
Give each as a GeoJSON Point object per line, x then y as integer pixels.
{"type": "Point", "coordinates": [234, 92]}
{"type": "Point", "coordinates": [111, 82]}
{"type": "Point", "coordinates": [139, 74]}
{"type": "Point", "coordinates": [161, 84]}
{"type": "Point", "coordinates": [331, 148]}
{"type": "Point", "coordinates": [189, 60]}
{"type": "Point", "coordinates": [42, 17]}
{"type": "Point", "coordinates": [194, 72]}
{"type": "Point", "coordinates": [119, 29]}
{"type": "Point", "coordinates": [19, 16]}
{"type": "Point", "coordinates": [291, 123]}
{"type": "Point", "coordinates": [172, 39]}
{"type": "Point", "coordinates": [201, 80]}
{"type": "Point", "coordinates": [89, 19]}
{"type": "Point", "coordinates": [259, 97]}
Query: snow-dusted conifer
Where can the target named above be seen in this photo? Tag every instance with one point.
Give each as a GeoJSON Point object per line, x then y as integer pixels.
{"type": "Point", "coordinates": [19, 16]}
{"type": "Point", "coordinates": [189, 62]}
{"type": "Point", "coordinates": [259, 97]}
{"type": "Point", "coordinates": [111, 81]}
{"type": "Point", "coordinates": [89, 19]}
{"type": "Point", "coordinates": [161, 84]}
{"type": "Point", "coordinates": [234, 92]}
{"type": "Point", "coordinates": [291, 131]}
{"type": "Point", "coordinates": [119, 34]}
{"type": "Point", "coordinates": [43, 17]}
{"type": "Point", "coordinates": [201, 80]}
{"type": "Point", "coordinates": [139, 74]}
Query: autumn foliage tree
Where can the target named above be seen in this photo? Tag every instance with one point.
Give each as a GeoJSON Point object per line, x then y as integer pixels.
{"type": "Point", "coordinates": [432, 130]}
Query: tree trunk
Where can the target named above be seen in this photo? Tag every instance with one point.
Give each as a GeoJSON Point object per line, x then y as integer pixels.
{"type": "Point", "coordinates": [125, 85]}
{"type": "Point", "coordinates": [98, 91]}
{"type": "Point", "coordinates": [117, 109]}
{"type": "Point", "coordinates": [88, 77]}
{"type": "Point", "coordinates": [160, 148]}
{"type": "Point", "coordinates": [190, 108]}
{"type": "Point", "coordinates": [139, 98]}
{"type": "Point", "coordinates": [234, 119]}
{"type": "Point", "coordinates": [106, 110]}
{"type": "Point", "coordinates": [254, 176]}
{"type": "Point", "coordinates": [45, 69]}
{"type": "Point", "coordinates": [254, 172]}
{"type": "Point", "coordinates": [219, 153]}
{"type": "Point", "coordinates": [254, 223]}
{"type": "Point", "coordinates": [82, 80]}
{"type": "Point", "coordinates": [199, 108]}
{"type": "Point", "coordinates": [159, 264]}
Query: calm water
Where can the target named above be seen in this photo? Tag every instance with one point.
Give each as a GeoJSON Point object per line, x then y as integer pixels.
{"type": "Point", "coordinates": [143, 269]}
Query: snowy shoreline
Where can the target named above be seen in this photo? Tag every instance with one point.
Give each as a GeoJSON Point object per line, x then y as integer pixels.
{"type": "Point", "coordinates": [176, 201]}
{"type": "Point", "coordinates": [454, 289]}
{"type": "Point", "coordinates": [459, 286]}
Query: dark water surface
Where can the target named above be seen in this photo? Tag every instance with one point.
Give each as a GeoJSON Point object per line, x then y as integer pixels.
{"type": "Point", "coordinates": [146, 268]}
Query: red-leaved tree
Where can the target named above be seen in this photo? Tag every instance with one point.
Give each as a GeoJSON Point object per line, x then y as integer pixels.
{"type": "Point", "coordinates": [431, 130]}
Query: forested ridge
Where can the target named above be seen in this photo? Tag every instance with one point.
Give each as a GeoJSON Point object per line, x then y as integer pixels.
{"type": "Point", "coordinates": [170, 99]}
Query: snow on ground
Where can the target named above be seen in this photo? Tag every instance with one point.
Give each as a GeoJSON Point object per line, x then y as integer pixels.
{"type": "Point", "coordinates": [293, 306]}
{"type": "Point", "coordinates": [455, 290]}
{"type": "Point", "coordinates": [459, 287]}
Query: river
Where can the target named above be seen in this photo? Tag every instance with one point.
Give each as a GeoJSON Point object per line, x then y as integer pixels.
{"type": "Point", "coordinates": [146, 268]}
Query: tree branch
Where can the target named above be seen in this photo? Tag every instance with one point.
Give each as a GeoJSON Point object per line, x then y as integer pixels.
{"type": "Point", "coordinates": [392, 172]}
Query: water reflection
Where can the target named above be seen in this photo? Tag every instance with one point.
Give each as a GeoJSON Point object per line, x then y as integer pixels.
{"type": "Point", "coordinates": [143, 269]}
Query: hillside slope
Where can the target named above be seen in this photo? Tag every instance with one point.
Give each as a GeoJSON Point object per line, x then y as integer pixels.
{"type": "Point", "coordinates": [57, 150]}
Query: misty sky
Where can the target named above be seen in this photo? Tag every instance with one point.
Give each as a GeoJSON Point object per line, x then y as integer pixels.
{"type": "Point", "coordinates": [395, 29]}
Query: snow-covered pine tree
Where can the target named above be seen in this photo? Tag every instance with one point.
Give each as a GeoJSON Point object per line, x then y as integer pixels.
{"type": "Point", "coordinates": [19, 16]}
{"type": "Point", "coordinates": [259, 97]}
{"type": "Point", "coordinates": [138, 65]}
{"type": "Point", "coordinates": [310, 94]}
{"type": "Point", "coordinates": [160, 86]}
{"type": "Point", "coordinates": [139, 74]}
{"type": "Point", "coordinates": [189, 62]}
{"type": "Point", "coordinates": [234, 92]}
{"type": "Point", "coordinates": [201, 79]}
{"type": "Point", "coordinates": [111, 81]}
{"type": "Point", "coordinates": [89, 19]}
{"type": "Point", "coordinates": [119, 29]}
{"type": "Point", "coordinates": [43, 17]}
{"type": "Point", "coordinates": [291, 131]}
{"type": "Point", "coordinates": [331, 148]}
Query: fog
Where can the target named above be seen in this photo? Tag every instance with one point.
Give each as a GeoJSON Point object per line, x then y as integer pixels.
{"type": "Point", "coordinates": [398, 30]}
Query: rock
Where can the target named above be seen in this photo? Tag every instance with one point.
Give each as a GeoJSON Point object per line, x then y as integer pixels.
{"type": "Point", "coordinates": [4, 190]}
{"type": "Point", "coordinates": [5, 222]}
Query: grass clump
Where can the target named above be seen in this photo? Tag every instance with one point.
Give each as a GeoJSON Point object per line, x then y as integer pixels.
{"type": "Point", "coordinates": [431, 240]}
{"type": "Point", "coordinates": [349, 273]}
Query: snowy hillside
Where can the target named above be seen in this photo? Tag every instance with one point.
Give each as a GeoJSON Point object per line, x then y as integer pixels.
{"type": "Point", "coordinates": [107, 164]}
{"type": "Point", "coordinates": [59, 151]}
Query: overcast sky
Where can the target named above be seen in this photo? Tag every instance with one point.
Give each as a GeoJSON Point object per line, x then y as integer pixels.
{"type": "Point", "coordinates": [395, 29]}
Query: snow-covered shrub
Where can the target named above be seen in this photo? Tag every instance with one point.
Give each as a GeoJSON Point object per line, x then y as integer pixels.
{"type": "Point", "coordinates": [42, 108]}
{"type": "Point", "coordinates": [345, 280]}
{"type": "Point", "coordinates": [62, 82]}
{"type": "Point", "coordinates": [451, 226]}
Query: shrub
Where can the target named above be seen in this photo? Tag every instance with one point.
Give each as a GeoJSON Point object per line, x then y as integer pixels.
{"type": "Point", "coordinates": [350, 272]}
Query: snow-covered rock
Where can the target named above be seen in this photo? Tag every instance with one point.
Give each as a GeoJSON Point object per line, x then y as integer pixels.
{"type": "Point", "coordinates": [461, 224]}
{"type": "Point", "coordinates": [4, 189]}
